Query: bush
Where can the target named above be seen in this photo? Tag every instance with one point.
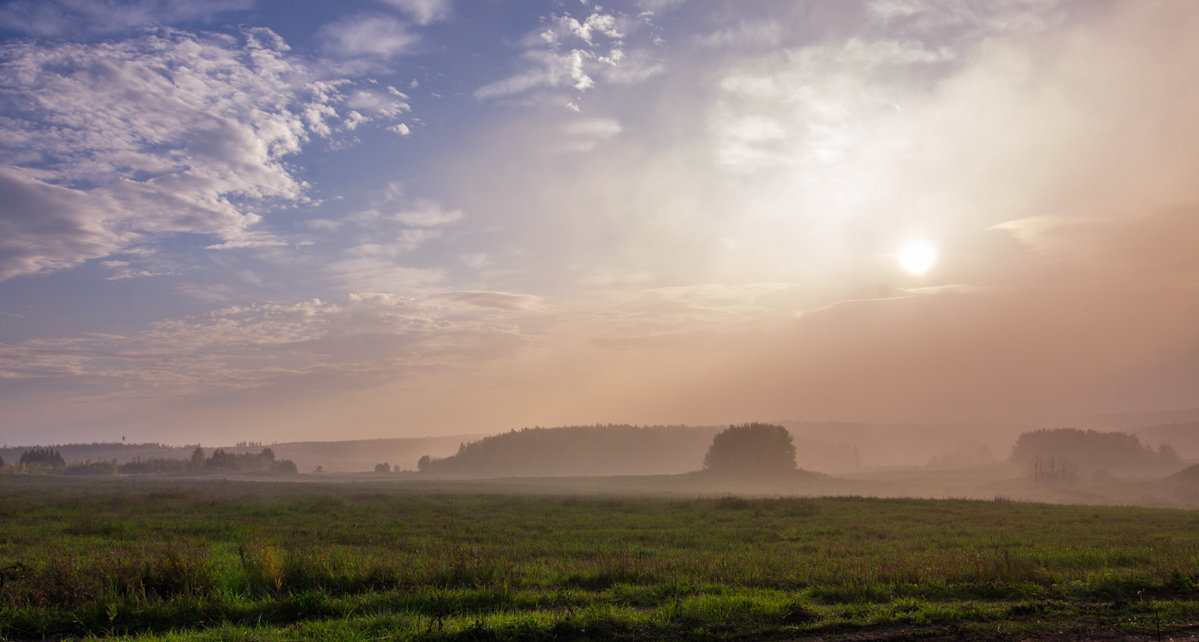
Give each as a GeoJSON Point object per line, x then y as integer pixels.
{"type": "Point", "coordinates": [751, 449]}
{"type": "Point", "coordinates": [383, 468]}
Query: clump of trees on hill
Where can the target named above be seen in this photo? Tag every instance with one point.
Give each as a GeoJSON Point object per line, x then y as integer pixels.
{"type": "Point", "coordinates": [751, 449]}
{"type": "Point", "coordinates": [1065, 453]}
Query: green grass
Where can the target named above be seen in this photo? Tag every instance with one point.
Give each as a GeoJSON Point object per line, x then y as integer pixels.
{"type": "Point", "coordinates": [221, 560]}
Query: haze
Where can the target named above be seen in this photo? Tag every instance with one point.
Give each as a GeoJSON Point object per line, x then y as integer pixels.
{"type": "Point", "coordinates": [287, 221]}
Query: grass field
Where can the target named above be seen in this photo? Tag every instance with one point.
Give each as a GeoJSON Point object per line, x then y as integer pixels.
{"type": "Point", "coordinates": [227, 560]}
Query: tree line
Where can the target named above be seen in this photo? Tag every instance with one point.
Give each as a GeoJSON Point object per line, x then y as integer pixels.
{"type": "Point", "coordinates": [219, 461]}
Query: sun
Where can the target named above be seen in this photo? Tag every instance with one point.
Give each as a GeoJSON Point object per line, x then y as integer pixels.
{"type": "Point", "coordinates": [917, 257]}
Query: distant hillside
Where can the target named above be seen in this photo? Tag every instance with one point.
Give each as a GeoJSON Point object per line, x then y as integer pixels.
{"type": "Point", "coordinates": [332, 456]}
{"type": "Point", "coordinates": [580, 450]}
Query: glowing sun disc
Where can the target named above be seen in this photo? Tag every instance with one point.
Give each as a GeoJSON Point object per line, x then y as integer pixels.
{"type": "Point", "coordinates": [917, 257]}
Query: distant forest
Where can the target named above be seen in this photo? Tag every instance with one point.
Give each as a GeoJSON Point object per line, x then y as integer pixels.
{"type": "Point", "coordinates": [1063, 453]}
{"type": "Point", "coordinates": [613, 449]}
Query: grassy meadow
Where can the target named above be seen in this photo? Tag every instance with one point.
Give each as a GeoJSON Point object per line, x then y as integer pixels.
{"type": "Point", "coordinates": [178, 559]}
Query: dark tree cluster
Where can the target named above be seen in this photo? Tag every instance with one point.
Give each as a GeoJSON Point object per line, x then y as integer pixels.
{"type": "Point", "coordinates": [222, 461]}
{"type": "Point", "coordinates": [751, 449]}
{"type": "Point", "coordinates": [43, 458]}
{"type": "Point", "coordinates": [1063, 453]}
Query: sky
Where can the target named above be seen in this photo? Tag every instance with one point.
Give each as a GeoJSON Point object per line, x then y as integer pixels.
{"type": "Point", "coordinates": [274, 220]}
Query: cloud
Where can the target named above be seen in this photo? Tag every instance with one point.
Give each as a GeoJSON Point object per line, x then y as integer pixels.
{"type": "Point", "coordinates": [584, 134]}
{"type": "Point", "coordinates": [163, 133]}
{"type": "Point", "coordinates": [426, 213]}
{"type": "Point", "coordinates": [819, 104]}
{"type": "Point", "coordinates": [46, 227]}
{"type": "Point", "coordinates": [1151, 248]}
{"type": "Point", "coordinates": [572, 54]}
{"type": "Point", "coordinates": [660, 5]}
{"type": "Point", "coordinates": [496, 300]}
{"type": "Point", "coordinates": [423, 11]}
{"type": "Point", "coordinates": [933, 19]}
{"type": "Point", "coordinates": [51, 18]}
{"type": "Point", "coordinates": [393, 209]}
{"type": "Point", "coordinates": [368, 35]}
{"type": "Point", "coordinates": [764, 34]}
{"type": "Point", "coordinates": [381, 241]}
{"type": "Point", "coordinates": [368, 337]}
{"type": "Point", "coordinates": [377, 267]}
